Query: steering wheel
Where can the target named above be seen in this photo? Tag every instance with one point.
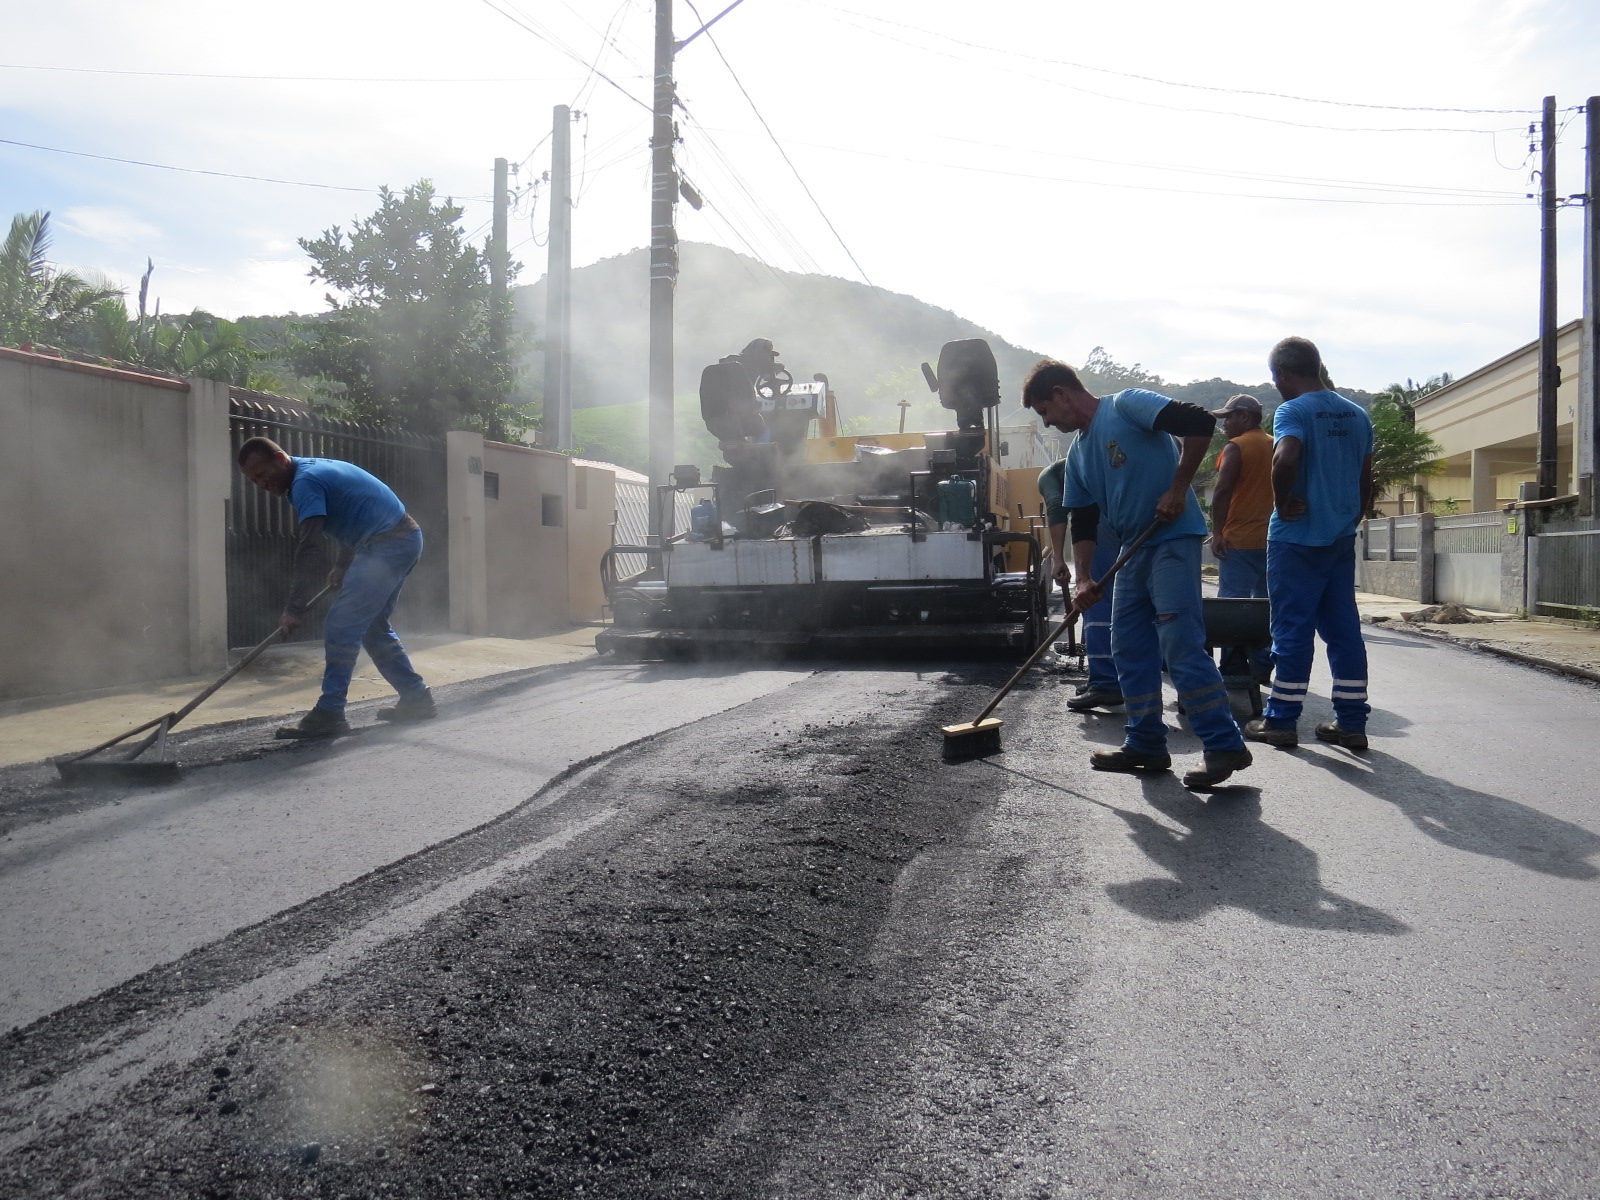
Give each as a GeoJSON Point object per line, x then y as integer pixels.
{"type": "Point", "coordinates": [774, 384]}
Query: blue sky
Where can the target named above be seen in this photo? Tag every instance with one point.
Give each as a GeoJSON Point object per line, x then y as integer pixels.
{"type": "Point", "coordinates": [1067, 174]}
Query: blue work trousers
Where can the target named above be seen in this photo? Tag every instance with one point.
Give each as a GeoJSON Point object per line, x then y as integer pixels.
{"type": "Point", "coordinates": [1158, 617]}
{"type": "Point", "coordinates": [359, 617]}
{"type": "Point", "coordinates": [1097, 622]}
{"type": "Point", "coordinates": [1244, 573]}
{"type": "Point", "coordinates": [1313, 592]}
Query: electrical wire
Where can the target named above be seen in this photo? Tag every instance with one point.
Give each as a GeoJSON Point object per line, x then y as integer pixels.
{"type": "Point", "coordinates": [550, 40]}
{"type": "Point", "coordinates": [1184, 108]}
{"type": "Point", "coordinates": [804, 186]}
{"type": "Point", "coordinates": [1202, 87]}
{"type": "Point", "coordinates": [280, 78]}
{"type": "Point", "coordinates": [135, 162]}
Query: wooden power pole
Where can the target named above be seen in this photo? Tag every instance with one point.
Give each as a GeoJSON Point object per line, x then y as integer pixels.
{"type": "Point", "coordinates": [499, 271]}
{"type": "Point", "coordinates": [1549, 377]}
{"type": "Point", "coordinates": [1587, 438]}
{"type": "Point", "coordinates": [558, 287]}
{"type": "Point", "coordinates": [663, 259]}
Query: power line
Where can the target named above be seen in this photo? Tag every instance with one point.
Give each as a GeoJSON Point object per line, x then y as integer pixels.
{"type": "Point", "coordinates": [280, 78]}
{"type": "Point", "coordinates": [1202, 87]}
{"type": "Point", "coordinates": [805, 187]}
{"type": "Point", "coordinates": [550, 40]}
{"type": "Point", "coordinates": [1184, 108]}
{"type": "Point", "coordinates": [134, 162]}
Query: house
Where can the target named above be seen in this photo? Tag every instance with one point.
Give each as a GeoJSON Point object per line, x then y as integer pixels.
{"type": "Point", "coordinates": [1486, 424]}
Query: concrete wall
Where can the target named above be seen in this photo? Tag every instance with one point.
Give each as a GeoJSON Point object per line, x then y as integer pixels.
{"type": "Point", "coordinates": [589, 519]}
{"type": "Point", "coordinates": [113, 494]}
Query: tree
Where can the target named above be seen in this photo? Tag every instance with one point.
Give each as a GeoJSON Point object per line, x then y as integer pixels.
{"type": "Point", "coordinates": [1401, 451]}
{"type": "Point", "coordinates": [408, 338]}
{"type": "Point", "coordinates": [39, 302]}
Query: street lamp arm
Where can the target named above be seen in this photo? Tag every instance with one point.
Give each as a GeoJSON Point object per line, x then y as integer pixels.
{"type": "Point", "coordinates": [677, 46]}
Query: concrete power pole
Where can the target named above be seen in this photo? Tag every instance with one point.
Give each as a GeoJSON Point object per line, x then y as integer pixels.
{"type": "Point", "coordinates": [1549, 378]}
{"type": "Point", "coordinates": [558, 288]}
{"type": "Point", "coordinates": [1587, 437]}
{"type": "Point", "coordinates": [499, 270]}
{"type": "Point", "coordinates": [663, 260]}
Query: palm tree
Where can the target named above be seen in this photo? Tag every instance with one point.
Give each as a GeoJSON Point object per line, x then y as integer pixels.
{"type": "Point", "coordinates": [38, 302]}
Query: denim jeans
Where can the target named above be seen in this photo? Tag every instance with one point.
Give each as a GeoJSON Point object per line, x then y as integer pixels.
{"type": "Point", "coordinates": [359, 617]}
{"type": "Point", "coordinates": [1244, 573]}
{"type": "Point", "coordinates": [1159, 617]}
{"type": "Point", "coordinates": [1313, 590]}
{"type": "Point", "coordinates": [1097, 622]}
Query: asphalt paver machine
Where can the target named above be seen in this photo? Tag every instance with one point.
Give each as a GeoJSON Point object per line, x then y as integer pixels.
{"type": "Point", "coordinates": [808, 541]}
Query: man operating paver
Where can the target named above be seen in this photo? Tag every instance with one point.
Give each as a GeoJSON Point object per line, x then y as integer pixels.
{"type": "Point", "coordinates": [1322, 486]}
{"type": "Point", "coordinates": [380, 544]}
{"type": "Point", "coordinates": [1125, 471]}
{"type": "Point", "coordinates": [1101, 690]}
{"type": "Point", "coordinates": [1241, 506]}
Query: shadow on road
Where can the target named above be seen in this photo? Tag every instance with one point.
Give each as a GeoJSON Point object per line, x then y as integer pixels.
{"type": "Point", "coordinates": [1465, 819]}
{"type": "Point", "coordinates": [1225, 856]}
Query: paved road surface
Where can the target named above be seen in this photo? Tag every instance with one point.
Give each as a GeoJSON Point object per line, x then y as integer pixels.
{"type": "Point", "coordinates": [784, 951]}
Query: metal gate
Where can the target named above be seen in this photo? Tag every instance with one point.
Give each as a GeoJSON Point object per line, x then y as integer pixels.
{"type": "Point", "coordinates": [261, 526]}
{"type": "Point", "coordinates": [1567, 564]}
{"type": "Point", "coordinates": [1467, 562]}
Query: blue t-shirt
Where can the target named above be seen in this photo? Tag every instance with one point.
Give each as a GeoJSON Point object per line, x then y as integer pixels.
{"type": "Point", "coordinates": [1124, 465]}
{"type": "Point", "coordinates": [1335, 439]}
{"type": "Point", "coordinates": [354, 504]}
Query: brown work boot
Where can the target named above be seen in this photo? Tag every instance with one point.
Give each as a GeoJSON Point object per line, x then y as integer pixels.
{"type": "Point", "coordinates": [1330, 732]}
{"type": "Point", "coordinates": [1259, 731]}
{"type": "Point", "coordinates": [1129, 760]}
{"type": "Point", "coordinates": [418, 706]}
{"type": "Point", "coordinates": [1219, 765]}
{"type": "Point", "coordinates": [318, 723]}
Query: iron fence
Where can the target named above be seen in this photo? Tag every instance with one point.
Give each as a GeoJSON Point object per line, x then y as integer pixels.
{"type": "Point", "coordinates": [261, 526]}
{"type": "Point", "coordinates": [1568, 562]}
{"type": "Point", "coordinates": [1392, 539]}
{"type": "Point", "coordinates": [1469, 533]}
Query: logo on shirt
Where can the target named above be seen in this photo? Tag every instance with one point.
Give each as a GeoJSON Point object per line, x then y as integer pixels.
{"type": "Point", "coordinates": [1115, 456]}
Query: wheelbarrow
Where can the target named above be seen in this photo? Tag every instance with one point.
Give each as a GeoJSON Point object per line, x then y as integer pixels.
{"type": "Point", "coordinates": [1243, 624]}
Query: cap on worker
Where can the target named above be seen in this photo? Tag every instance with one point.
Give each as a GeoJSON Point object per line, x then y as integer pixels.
{"type": "Point", "coordinates": [1239, 403]}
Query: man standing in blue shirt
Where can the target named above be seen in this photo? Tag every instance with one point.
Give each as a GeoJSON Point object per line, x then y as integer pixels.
{"type": "Point", "coordinates": [1322, 487]}
{"type": "Point", "coordinates": [1123, 472]}
{"type": "Point", "coordinates": [380, 542]}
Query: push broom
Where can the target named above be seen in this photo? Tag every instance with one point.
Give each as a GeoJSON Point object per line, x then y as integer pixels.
{"type": "Point", "coordinates": [981, 735]}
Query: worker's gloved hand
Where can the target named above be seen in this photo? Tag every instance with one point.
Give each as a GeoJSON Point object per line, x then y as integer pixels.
{"type": "Point", "coordinates": [1219, 545]}
{"type": "Point", "coordinates": [1172, 503]}
{"type": "Point", "coordinates": [336, 578]}
{"type": "Point", "coordinates": [1086, 595]}
{"type": "Point", "coordinates": [1293, 508]}
{"type": "Point", "coordinates": [288, 622]}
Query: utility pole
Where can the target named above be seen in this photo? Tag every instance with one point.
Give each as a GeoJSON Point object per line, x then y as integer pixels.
{"type": "Point", "coordinates": [1587, 437]}
{"type": "Point", "coordinates": [558, 287]}
{"type": "Point", "coordinates": [499, 269]}
{"type": "Point", "coordinates": [1549, 377]}
{"type": "Point", "coordinates": [663, 260]}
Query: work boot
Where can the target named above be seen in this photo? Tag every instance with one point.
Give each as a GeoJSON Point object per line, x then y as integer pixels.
{"type": "Point", "coordinates": [417, 706]}
{"type": "Point", "coordinates": [1130, 760]}
{"type": "Point", "coordinates": [1095, 696]}
{"type": "Point", "coordinates": [1259, 731]}
{"type": "Point", "coordinates": [318, 723]}
{"type": "Point", "coordinates": [1329, 731]}
{"type": "Point", "coordinates": [1219, 765]}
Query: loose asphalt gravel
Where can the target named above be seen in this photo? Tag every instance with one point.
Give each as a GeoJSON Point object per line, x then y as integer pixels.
{"type": "Point", "coordinates": [786, 951]}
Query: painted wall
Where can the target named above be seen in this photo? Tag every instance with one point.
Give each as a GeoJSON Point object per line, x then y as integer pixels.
{"type": "Point", "coordinates": [113, 494]}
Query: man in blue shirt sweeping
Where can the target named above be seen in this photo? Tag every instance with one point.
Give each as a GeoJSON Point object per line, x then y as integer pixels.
{"type": "Point", "coordinates": [1125, 471]}
{"type": "Point", "coordinates": [1322, 487]}
{"type": "Point", "coordinates": [380, 542]}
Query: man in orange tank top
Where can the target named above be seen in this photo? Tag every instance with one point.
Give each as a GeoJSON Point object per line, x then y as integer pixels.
{"type": "Point", "coordinates": [1241, 507]}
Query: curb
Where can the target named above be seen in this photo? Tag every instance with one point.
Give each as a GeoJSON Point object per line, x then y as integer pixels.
{"type": "Point", "coordinates": [1517, 656]}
